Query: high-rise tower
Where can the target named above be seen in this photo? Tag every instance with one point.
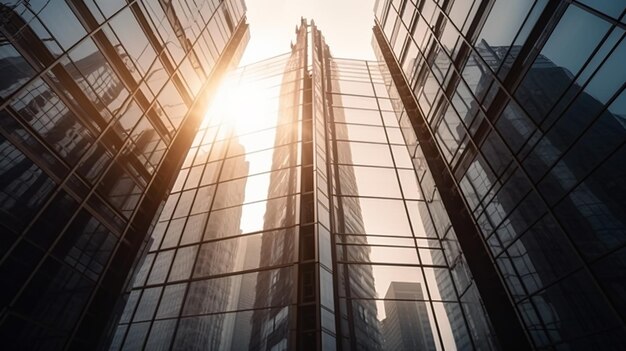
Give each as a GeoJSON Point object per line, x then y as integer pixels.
{"type": "Point", "coordinates": [332, 219]}
{"type": "Point", "coordinates": [517, 111]}
{"type": "Point", "coordinates": [406, 325]}
{"type": "Point", "coordinates": [99, 101]}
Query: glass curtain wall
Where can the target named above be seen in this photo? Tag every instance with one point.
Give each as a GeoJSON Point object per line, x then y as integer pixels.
{"type": "Point", "coordinates": [525, 102]}
{"type": "Point", "coordinates": [220, 270]}
{"type": "Point", "coordinates": [298, 222]}
{"type": "Point", "coordinates": [96, 100]}
{"type": "Point", "coordinates": [401, 280]}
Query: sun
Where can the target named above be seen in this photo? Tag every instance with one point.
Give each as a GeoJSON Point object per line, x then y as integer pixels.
{"type": "Point", "coordinates": [243, 105]}
{"type": "Point", "coordinates": [247, 109]}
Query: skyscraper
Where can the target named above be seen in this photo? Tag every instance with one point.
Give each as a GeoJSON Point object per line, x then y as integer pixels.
{"type": "Point", "coordinates": [406, 326]}
{"type": "Point", "coordinates": [516, 111]}
{"type": "Point", "coordinates": [331, 221]}
{"type": "Point", "coordinates": [216, 275]}
{"type": "Point", "coordinates": [99, 103]}
{"type": "Point", "coordinates": [462, 192]}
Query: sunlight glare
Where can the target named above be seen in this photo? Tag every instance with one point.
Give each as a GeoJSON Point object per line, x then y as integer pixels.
{"type": "Point", "coordinates": [245, 106]}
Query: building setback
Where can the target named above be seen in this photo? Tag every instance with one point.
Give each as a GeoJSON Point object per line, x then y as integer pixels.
{"type": "Point", "coordinates": [98, 105]}
{"type": "Point", "coordinates": [518, 111]}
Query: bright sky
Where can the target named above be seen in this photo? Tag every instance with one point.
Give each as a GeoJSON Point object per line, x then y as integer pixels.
{"type": "Point", "coordinates": [346, 25]}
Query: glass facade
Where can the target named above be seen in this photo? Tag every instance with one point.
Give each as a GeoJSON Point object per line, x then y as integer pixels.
{"type": "Point", "coordinates": [97, 103]}
{"type": "Point", "coordinates": [219, 270]}
{"type": "Point", "coordinates": [519, 107]}
{"type": "Point", "coordinates": [402, 282]}
{"type": "Point", "coordinates": [298, 222]}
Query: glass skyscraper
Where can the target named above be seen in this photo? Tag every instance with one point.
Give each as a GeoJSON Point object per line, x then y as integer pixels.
{"type": "Point", "coordinates": [99, 104]}
{"type": "Point", "coordinates": [518, 110]}
{"type": "Point", "coordinates": [297, 223]}
{"type": "Point", "coordinates": [463, 192]}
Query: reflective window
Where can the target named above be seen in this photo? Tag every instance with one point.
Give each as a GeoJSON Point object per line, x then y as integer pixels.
{"type": "Point", "coordinates": [564, 54]}
{"type": "Point", "coordinates": [160, 334]}
{"type": "Point", "coordinates": [109, 7]}
{"type": "Point", "coordinates": [609, 7]}
{"type": "Point", "coordinates": [194, 330]}
{"type": "Point", "coordinates": [211, 296]}
{"type": "Point", "coordinates": [24, 186]}
{"type": "Point", "coordinates": [364, 154]}
{"type": "Point", "coordinates": [352, 87]}
{"type": "Point", "coordinates": [393, 211]}
{"type": "Point", "coordinates": [360, 133]}
{"type": "Point", "coordinates": [183, 263]}
{"type": "Point", "coordinates": [66, 32]}
{"type": "Point", "coordinates": [172, 301]}
{"type": "Point", "coordinates": [46, 113]}
{"type": "Point", "coordinates": [160, 267]}
{"type": "Point", "coordinates": [501, 27]}
{"type": "Point", "coordinates": [352, 101]}
{"type": "Point", "coordinates": [367, 181]}
{"type": "Point", "coordinates": [172, 104]}
{"type": "Point", "coordinates": [97, 73]}
{"type": "Point", "coordinates": [147, 304]}
{"type": "Point", "coordinates": [15, 70]}
{"type": "Point", "coordinates": [357, 116]}
{"type": "Point", "coordinates": [137, 46]}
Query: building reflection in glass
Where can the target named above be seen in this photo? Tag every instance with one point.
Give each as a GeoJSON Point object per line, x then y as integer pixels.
{"type": "Point", "coordinates": [96, 109]}
{"type": "Point", "coordinates": [218, 273]}
{"type": "Point", "coordinates": [278, 233]}
{"type": "Point", "coordinates": [384, 243]}
{"type": "Point", "coordinates": [526, 110]}
{"type": "Point", "coordinates": [406, 325]}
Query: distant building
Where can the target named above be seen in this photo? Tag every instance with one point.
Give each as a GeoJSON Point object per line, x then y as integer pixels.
{"type": "Point", "coordinates": [407, 325]}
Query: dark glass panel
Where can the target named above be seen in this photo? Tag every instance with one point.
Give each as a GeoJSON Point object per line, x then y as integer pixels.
{"type": "Point", "coordinates": [120, 188]}
{"type": "Point", "coordinates": [161, 335]}
{"type": "Point", "coordinates": [183, 263]}
{"type": "Point", "coordinates": [147, 304]}
{"type": "Point", "coordinates": [55, 296]}
{"type": "Point", "coordinates": [564, 54]}
{"type": "Point", "coordinates": [172, 301]}
{"type": "Point", "coordinates": [574, 309]}
{"type": "Point", "coordinates": [50, 117]}
{"type": "Point", "coordinates": [593, 212]}
{"type": "Point", "coordinates": [91, 68]}
{"type": "Point", "coordinates": [86, 245]}
{"type": "Point", "coordinates": [611, 273]}
{"type": "Point", "coordinates": [14, 70]}
{"type": "Point", "coordinates": [212, 332]}
{"type": "Point", "coordinates": [160, 268]}
{"type": "Point", "coordinates": [52, 221]}
{"type": "Point", "coordinates": [23, 187]}
{"type": "Point", "coordinates": [504, 21]}
{"type": "Point", "coordinates": [272, 287]}
{"type": "Point", "coordinates": [136, 336]}
{"type": "Point", "coordinates": [612, 8]}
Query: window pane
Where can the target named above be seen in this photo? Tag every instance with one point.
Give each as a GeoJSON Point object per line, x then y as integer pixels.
{"type": "Point", "coordinates": [14, 71]}
{"type": "Point", "coordinates": [367, 181]}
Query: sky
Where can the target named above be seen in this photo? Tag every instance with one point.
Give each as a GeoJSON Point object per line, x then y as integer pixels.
{"type": "Point", "coordinates": [346, 25]}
